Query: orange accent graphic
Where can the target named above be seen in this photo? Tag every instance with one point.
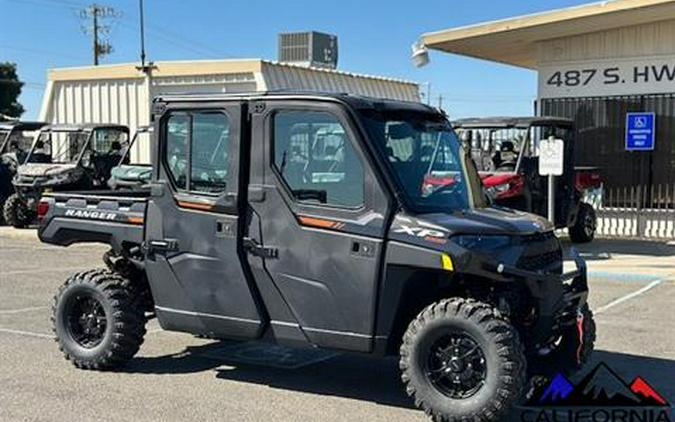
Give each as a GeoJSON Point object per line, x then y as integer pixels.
{"type": "Point", "coordinates": [195, 205]}
{"type": "Point", "coordinates": [320, 223]}
{"type": "Point", "coordinates": [135, 220]}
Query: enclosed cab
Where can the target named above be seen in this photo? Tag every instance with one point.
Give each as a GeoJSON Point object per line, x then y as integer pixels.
{"type": "Point", "coordinates": [303, 220]}
{"type": "Point", "coordinates": [506, 152]}
{"type": "Point", "coordinates": [64, 158]}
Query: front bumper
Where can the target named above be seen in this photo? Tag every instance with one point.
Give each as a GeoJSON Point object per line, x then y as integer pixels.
{"type": "Point", "coordinates": [557, 298]}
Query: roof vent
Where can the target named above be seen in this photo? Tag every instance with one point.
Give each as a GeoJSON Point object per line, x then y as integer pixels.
{"type": "Point", "coordinates": [311, 49]}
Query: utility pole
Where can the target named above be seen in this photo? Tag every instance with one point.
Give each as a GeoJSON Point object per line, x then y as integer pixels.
{"type": "Point", "coordinates": [440, 101]}
{"type": "Point", "coordinates": [98, 13]}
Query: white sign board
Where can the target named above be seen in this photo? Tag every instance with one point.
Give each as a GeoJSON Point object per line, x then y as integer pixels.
{"type": "Point", "coordinates": [551, 157]}
{"type": "Point", "coordinates": [608, 77]}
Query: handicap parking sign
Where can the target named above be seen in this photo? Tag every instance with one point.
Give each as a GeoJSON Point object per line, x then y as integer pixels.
{"type": "Point", "coordinates": [640, 131]}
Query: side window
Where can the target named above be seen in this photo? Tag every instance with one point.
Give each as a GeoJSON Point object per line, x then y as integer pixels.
{"type": "Point", "coordinates": [197, 151]}
{"type": "Point", "coordinates": [176, 151]}
{"type": "Point", "coordinates": [316, 159]}
{"type": "Point", "coordinates": [210, 147]}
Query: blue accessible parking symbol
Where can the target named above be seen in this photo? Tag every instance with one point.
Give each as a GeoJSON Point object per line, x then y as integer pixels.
{"type": "Point", "coordinates": [640, 131]}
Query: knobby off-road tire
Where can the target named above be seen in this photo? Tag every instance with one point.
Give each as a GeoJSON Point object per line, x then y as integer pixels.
{"type": "Point", "coordinates": [97, 321]}
{"type": "Point", "coordinates": [572, 352]}
{"type": "Point", "coordinates": [583, 230]}
{"type": "Point", "coordinates": [477, 324]}
{"type": "Point", "coordinates": [16, 212]}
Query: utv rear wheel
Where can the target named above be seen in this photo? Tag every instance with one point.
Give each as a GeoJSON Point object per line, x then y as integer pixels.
{"type": "Point", "coordinates": [583, 230]}
{"type": "Point", "coordinates": [16, 212]}
{"type": "Point", "coordinates": [462, 361]}
{"type": "Point", "coordinates": [97, 322]}
{"type": "Point", "coordinates": [572, 351]}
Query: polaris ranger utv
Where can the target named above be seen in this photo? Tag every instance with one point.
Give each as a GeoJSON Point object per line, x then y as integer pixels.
{"type": "Point", "coordinates": [506, 152]}
{"type": "Point", "coordinates": [62, 158]}
{"type": "Point", "coordinates": [15, 140]}
{"type": "Point", "coordinates": [300, 219]}
{"type": "Point", "coordinates": [129, 176]}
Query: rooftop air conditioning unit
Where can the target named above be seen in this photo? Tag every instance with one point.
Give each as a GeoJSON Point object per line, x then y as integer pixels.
{"type": "Point", "coordinates": [313, 49]}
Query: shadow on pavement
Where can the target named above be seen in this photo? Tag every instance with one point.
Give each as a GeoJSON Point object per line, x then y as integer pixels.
{"type": "Point", "coordinates": [346, 375]}
{"type": "Point", "coordinates": [601, 249]}
{"type": "Point", "coordinates": [366, 378]}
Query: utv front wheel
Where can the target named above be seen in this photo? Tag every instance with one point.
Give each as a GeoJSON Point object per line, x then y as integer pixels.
{"type": "Point", "coordinates": [16, 212]}
{"type": "Point", "coordinates": [583, 230]}
{"type": "Point", "coordinates": [462, 361]}
{"type": "Point", "coordinates": [97, 322]}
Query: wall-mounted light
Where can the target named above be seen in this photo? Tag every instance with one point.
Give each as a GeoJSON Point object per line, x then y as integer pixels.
{"type": "Point", "coordinates": [420, 54]}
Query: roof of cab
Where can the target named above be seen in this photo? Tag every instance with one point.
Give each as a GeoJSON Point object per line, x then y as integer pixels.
{"type": "Point", "coordinates": [83, 127]}
{"type": "Point", "coordinates": [21, 125]}
{"type": "Point", "coordinates": [511, 122]}
{"type": "Point", "coordinates": [357, 101]}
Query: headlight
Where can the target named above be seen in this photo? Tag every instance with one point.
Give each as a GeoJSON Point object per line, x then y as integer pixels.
{"type": "Point", "coordinates": [59, 178]}
{"type": "Point", "coordinates": [483, 243]}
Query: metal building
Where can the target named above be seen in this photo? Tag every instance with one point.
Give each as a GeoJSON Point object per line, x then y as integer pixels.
{"type": "Point", "coordinates": [121, 93]}
{"type": "Point", "coordinates": [596, 63]}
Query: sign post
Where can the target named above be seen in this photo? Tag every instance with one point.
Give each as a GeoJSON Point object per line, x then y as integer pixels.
{"type": "Point", "coordinates": [640, 131]}
{"type": "Point", "coordinates": [551, 159]}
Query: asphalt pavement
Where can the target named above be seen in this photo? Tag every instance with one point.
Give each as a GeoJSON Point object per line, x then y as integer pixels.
{"type": "Point", "coordinates": [177, 377]}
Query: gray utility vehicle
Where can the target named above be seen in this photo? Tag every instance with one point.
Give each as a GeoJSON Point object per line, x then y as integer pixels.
{"type": "Point", "coordinates": [63, 158]}
{"type": "Point", "coordinates": [126, 175]}
{"type": "Point", "coordinates": [300, 219]}
{"type": "Point", "coordinates": [15, 140]}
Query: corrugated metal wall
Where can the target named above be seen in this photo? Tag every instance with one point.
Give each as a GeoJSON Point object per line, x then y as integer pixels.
{"type": "Point", "coordinates": [279, 76]}
{"type": "Point", "coordinates": [126, 101]}
{"type": "Point", "coordinates": [601, 124]}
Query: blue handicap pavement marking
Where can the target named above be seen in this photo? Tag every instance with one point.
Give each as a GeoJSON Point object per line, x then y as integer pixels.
{"type": "Point", "coordinates": [640, 131]}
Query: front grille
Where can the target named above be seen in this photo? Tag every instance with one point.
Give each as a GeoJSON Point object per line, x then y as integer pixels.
{"type": "Point", "coordinates": [541, 252]}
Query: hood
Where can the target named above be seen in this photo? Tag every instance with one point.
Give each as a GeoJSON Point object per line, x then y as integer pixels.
{"type": "Point", "coordinates": [44, 170]}
{"type": "Point", "coordinates": [494, 220]}
{"type": "Point", "coordinates": [131, 173]}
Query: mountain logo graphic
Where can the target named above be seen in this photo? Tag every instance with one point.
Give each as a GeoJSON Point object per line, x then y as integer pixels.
{"type": "Point", "coordinates": [601, 387]}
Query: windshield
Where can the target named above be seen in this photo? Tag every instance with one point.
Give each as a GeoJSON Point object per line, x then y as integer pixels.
{"type": "Point", "coordinates": [65, 146]}
{"type": "Point", "coordinates": [500, 149]}
{"type": "Point", "coordinates": [15, 141]}
{"type": "Point", "coordinates": [427, 161]}
{"type": "Point", "coordinates": [137, 153]}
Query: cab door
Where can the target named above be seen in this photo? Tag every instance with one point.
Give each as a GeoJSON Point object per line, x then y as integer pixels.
{"type": "Point", "coordinates": [193, 222]}
{"type": "Point", "coordinates": [318, 222]}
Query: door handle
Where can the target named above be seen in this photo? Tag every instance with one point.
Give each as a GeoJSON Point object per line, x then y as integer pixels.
{"type": "Point", "coordinates": [256, 249]}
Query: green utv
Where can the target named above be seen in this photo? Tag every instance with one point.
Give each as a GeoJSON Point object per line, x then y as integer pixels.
{"type": "Point", "coordinates": [301, 219]}
{"type": "Point", "coordinates": [129, 176]}
{"type": "Point", "coordinates": [64, 157]}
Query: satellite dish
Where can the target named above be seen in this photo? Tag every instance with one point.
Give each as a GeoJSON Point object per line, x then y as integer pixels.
{"type": "Point", "coordinates": [420, 54]}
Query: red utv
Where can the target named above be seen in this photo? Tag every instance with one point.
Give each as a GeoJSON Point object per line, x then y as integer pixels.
{"type": "Point", "coordinates": [505, 150]}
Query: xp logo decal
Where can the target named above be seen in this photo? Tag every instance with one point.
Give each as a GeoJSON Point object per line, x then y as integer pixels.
{"type": "Point", "coordinates": [602, 396]}
{"type": "Point", "coordinates": [418, 231]}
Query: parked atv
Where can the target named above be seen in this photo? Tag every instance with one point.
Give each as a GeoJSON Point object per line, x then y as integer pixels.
{"type": "Point", "coordinates": [15, 140]}
{"type": "Point", "coordinates": [129, 176]}
{"type": "Point", "coordinates": [299, 219]}
{"type": "Point", "coordinates": [506, 152]}
{"type": "Point", "coordinates": [64, 158]}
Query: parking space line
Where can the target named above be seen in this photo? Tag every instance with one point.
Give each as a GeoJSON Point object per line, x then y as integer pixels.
{"type": "Point", "coordinates": [25, 333]}
{"type": "Point", "coordinates": [627, 297]}
{"type": "Point", "coordinates": [18, 311]}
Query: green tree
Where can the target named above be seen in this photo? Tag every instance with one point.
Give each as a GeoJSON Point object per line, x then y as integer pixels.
{"type": "Point", "coordinates": [10, 89]}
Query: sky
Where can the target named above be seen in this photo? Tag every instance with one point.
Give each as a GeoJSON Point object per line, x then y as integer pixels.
{"type": "Point", "coordinates": [374, 37]}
